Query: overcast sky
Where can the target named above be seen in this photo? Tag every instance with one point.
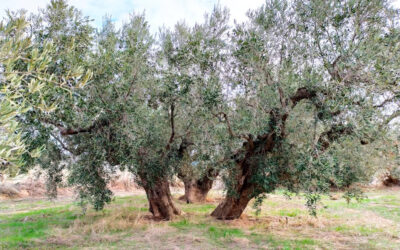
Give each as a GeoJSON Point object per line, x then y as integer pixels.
{"type": "Point", "coordinates": [158, 12]}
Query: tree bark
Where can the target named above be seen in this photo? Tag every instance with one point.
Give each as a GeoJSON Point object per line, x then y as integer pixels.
{"type": "Point", "coordinates": [160, 200]}
{"type": "Point", "coordinates": [244, 190]}
{"type": "Point", "coordinates": [196, 190]}
{"type": "Point", "coordinates": [233, 206]}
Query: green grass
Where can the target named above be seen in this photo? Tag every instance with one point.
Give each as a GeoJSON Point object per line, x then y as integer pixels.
{"type": "Point", "coordinates": [290, 213]}
{"type": "Point", "coordinates": [18, 230]}
{"type": "Point", "coordinates": [23, 205]}
{"type": "Point", "coordinates": [117, 226]}
{"type": "Point", "coordinates": [198, 208]}
{"type": "Point", "coordinates": [186, 224]}
{"type": "Point", "coordinates": [391, 213]}
{"type": "Point", "coordinates": [220, 235]}
{"type": "Point", "coordinates": [137, 199]}
{"type": "Point", "coordinates": [279, 243]}
{"type": "Point", "coordinates": [388, 206]}
{"type": "Point", "coordinates": [219, 232]}
{"type": "Point", "coordinates": [212, 231]}
{"type": "Point", "coordinates": [358, 230]}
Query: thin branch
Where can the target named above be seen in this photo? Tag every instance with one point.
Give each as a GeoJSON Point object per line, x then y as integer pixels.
{"type": "Point", "coordinates": [62, 144]}
{"type": "Point", "coordinates": [70, 131]}
{"type": "Point", "coordinates": [228, 124]}
{"type": "Point", "coordinates": [172, 122]}
{"type": "Point", "coordinates": [131, 87]}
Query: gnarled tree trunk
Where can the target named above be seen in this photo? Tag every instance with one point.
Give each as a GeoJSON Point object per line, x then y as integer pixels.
{"type": "Point", "coordinates": [246, 158]}
{"type": "Point", "coordinates": [233, 206]}
{"type": "Point", "coordinates": [244, 190]}
{"type": "Point", "coordinates": [196, 190]}
{"type": "Point", "coordinates": [160, 200]}
{"type": "Point", "coordinates": [193, 192]}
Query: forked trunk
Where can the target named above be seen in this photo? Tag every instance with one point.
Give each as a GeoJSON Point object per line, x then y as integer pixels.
{"type": "Point", "coordinates": [160, 200]}
{"type": "Point", "coordinates": [197, 190]}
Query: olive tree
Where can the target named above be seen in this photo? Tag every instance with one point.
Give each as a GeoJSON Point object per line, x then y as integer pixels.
{"type": "Point", "coordinates": [61, 36]}
{"type": "Point", "coordinates": [145, 108]}
{"type": "Point", "coordinates": [287, 99]}
{"type": "Point", "coordinates": [192, 60]}
{"type": "Point", "coordinates": [27, 83]}
{"type": "Point", "coordinates": [306, 76]}
{"type": "Point", "coordinates": [118, 120]}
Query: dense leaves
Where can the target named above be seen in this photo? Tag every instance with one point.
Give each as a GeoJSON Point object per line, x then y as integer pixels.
{"type": "Point", "coordinates": [293, 97]}
{"type": "Point", "coordinates": [28, 84]}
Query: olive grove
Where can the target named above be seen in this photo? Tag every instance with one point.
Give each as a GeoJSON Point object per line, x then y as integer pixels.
{"type": "Point", "coordinates": [291, 98]}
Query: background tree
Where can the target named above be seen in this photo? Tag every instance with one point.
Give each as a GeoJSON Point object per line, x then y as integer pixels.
{"type": "Point", "coordinates": [192, 61]}
{"type": "Point", "coordinates": [147, 108]}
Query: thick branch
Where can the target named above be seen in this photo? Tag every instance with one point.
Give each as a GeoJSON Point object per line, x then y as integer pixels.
{"type": "Point", "coordinates": [333, 134]}
{"type": "Point", "coordinates": [230, 131]}
{"type": "Point", "coordinates": [225, 116]}
{"type": "Point", "coordinates": [282, 98]}
{"type": "Point", "coordinates": [183, 147]}
{"type": "Point", "coordinates": [301, 94]}
{"type": "Point", "coordinates": [73, 131]}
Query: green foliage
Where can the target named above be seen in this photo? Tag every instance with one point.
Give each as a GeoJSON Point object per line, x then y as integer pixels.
{"type": "Point", "coordinates": [354, 193]}
{"type": "Point", "coordinates": [144, 105]}
{"type": "Point", "coordinates": [304, 72]}
{"type": "Point", "coordinates": [312, 200]}
{"type": "Point", "coordinates": [28, 84]}
{"type": "Point", "coordinates": [258, 202]}
{"type": "Point", "coordinates": [287, 99]}
{"type": "Point", "coordinates": [18, 89]}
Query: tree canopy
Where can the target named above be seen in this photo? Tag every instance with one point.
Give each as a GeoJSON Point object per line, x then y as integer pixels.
{"type": "Point", "coordinates": [27, 83]}
{"type": "Point", "coordinates": [289, 98]}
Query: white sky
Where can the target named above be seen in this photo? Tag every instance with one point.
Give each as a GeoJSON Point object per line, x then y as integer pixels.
{"type": "Point", "coordinates": [158, 12]}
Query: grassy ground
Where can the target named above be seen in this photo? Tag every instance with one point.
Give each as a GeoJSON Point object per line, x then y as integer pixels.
{"type": "Point", "coordinates": [282, 224]}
